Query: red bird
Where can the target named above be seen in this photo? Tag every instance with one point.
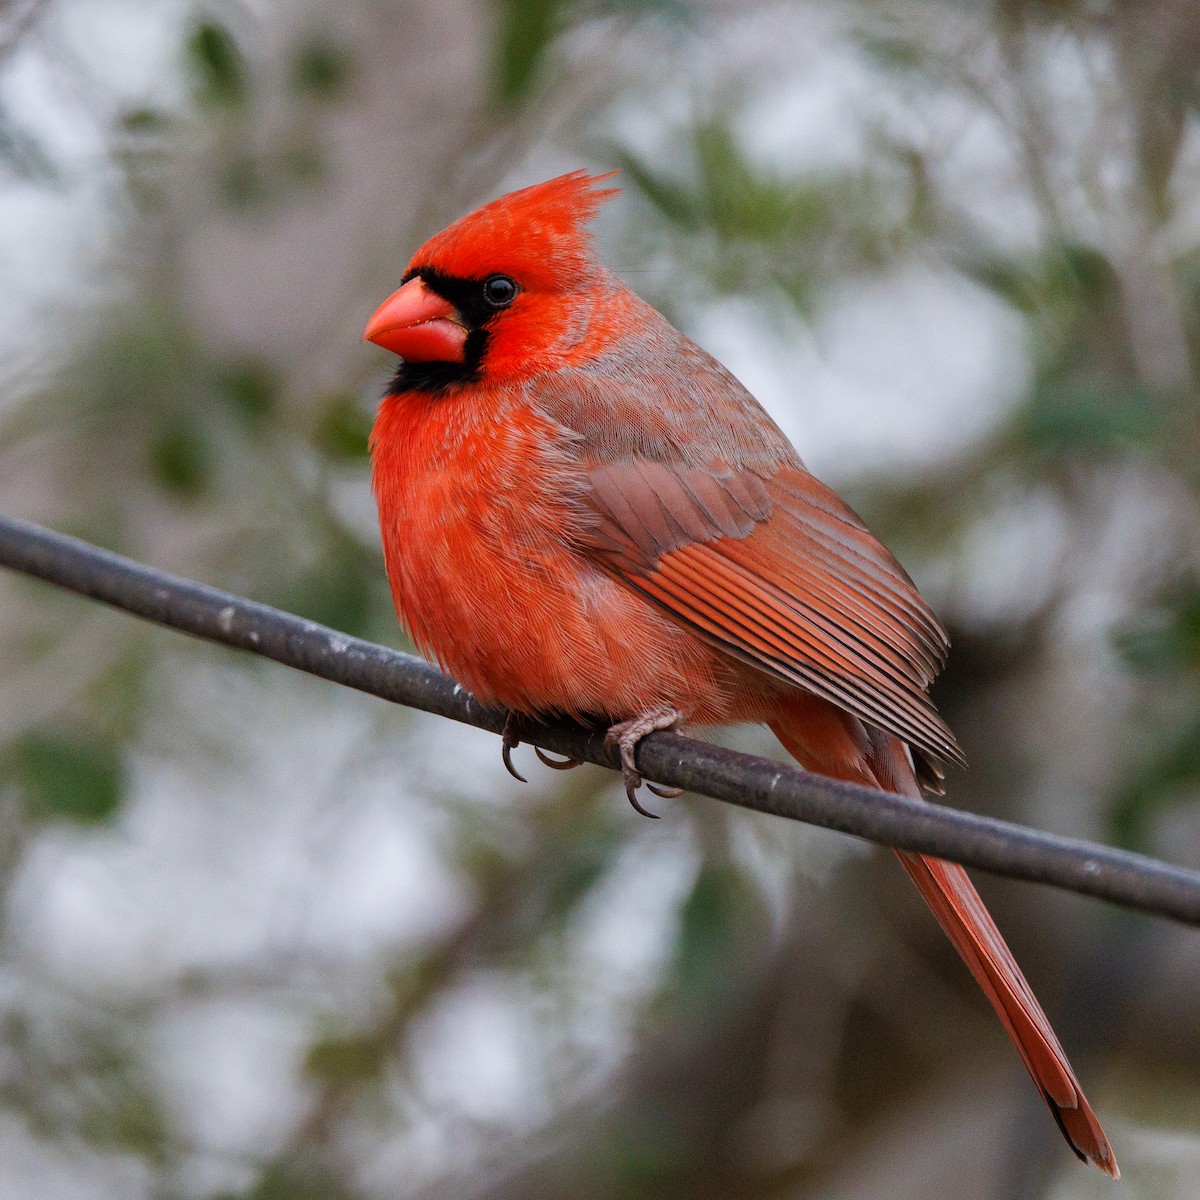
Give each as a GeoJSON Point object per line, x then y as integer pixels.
{"type": "Point", "coordinates": [585, 515]}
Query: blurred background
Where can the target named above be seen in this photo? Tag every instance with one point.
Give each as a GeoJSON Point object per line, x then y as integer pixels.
{"type": "Point", "coordinates": [262, 938]}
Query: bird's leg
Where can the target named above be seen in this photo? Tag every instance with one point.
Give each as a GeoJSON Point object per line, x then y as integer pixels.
{"type": "Point", "coordinates": [516, 724]}
{"type": "Point", "coordinates": [625, 737]}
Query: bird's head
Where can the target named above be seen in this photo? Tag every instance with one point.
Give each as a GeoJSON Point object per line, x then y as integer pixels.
{"type": "Point", "coordinates": [497, 294]}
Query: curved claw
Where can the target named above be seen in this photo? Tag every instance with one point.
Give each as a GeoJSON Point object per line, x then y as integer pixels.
{"type": "Point", "coordinates": [556, 764]}
{"type": "Point", "coordinates": [667, 793]}
{"type": "Point", "coordinates": [506, 754]}
{"type": "Point", "coordinates": [632, 783]}
{"type": "Point", "coordinates": [509, 740]}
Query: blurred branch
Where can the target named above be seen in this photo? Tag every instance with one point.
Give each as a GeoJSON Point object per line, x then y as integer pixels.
{"type": "Point", "coordinates": [1001, 847]}
{"type": "Point", "coordinates": [19, 19]}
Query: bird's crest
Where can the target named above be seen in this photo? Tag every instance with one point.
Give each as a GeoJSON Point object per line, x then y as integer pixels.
{"type": "Point", "coordinates": [540, 229]}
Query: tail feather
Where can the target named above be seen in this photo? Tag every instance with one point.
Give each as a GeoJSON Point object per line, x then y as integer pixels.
{"type": "Point", "coordinates": [948, 891]}
{"type": "Point", "coordinates": [830, 742]}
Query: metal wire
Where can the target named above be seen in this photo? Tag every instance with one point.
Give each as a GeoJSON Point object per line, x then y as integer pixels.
{"type": "Point", "coordinates": [1001, 847]}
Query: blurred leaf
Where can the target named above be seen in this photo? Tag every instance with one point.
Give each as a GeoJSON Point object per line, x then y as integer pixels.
{"type": "Point", "coordinates": [1009, 280]}
{"type": "Point", "coordinates": [673, 200]}
{"type": "Point", "coordinates": [743, 201]}
{"type": "Point", "coordinates": [1175, 769]}
{"type": "Point", "coordinates": [340, 590]}
{"type": "Point", "coordinates": [251, 386]}
{"type": "Point", "coordinates": [127, 1118]}
{"type": "Point", "coordinates": [653, 1158]}
{"type": "Point", "coordinates": [347, 1059]}
{"type": "Point", "coordinates": [893, 49]}
{"type": "Point", "coordinates": [1071, 279]}
{"type": "Point", "coordinates": [143, 121]}
{"type": "Point", "coordinates": [586, 858]}
{"type": "Point", "coordinates": [343, 428]}
{"type": "Point", "coordinates": [142, 361]}
{"type": "Point", "coordinates": [181, 460]}
{"type": "Point", "coordinates": [721, 917]}
{"type": "Point", "coordinates": [1166, 637]}
{"type": "Point", "coordinates": [120, 691]}
{"type": "Point", "coordinates": [250, 183]}
{"type": "Point", "coordinates": [415, 984]}
{"type": "Point", "coordinates": [73, 775]}
{"type": "Point", "coordinates": [293, 1181]}
{"type": "Point", "coordinates": [1079, 271]}
{"type": "Point", "coordinates": [218, 66]}
{"type": "Point", "coordinates": [242, 182]}
{"type": "Point", "coordinates": [1079, 416]}
{"type": "Point", "coordinates": [744, 225]}
{"type": "Point", "coordinates": [302, 163]}
{"type": "Point", "coordinates": [526, 28]}
{"type": "Point", "coordinates": [321, 69]}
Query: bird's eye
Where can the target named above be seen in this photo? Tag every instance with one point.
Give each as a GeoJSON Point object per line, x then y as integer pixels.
{"type": "Point", "coordinates": [499, 291]}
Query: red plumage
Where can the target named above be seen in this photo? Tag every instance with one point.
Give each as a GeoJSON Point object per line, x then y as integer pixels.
{"type": "Point", "coordinates": [584, 514]}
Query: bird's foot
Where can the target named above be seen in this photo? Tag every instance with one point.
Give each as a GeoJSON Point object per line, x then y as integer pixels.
{"type": "Point", "coordinates": [515, 726]}
{"type": "Point", "coordinates": [510, 739]}
{"type": "Point", "coordinates": [624, 738]}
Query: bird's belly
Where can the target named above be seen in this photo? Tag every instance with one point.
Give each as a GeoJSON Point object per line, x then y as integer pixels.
{"type": "Point", "coordinates": [477, 538]}
{"type": "Point", "coordinates": [535, 628]}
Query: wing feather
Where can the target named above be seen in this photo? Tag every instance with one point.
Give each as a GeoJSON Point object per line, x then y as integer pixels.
{"type": "Point", "coordinates": [776, 571]}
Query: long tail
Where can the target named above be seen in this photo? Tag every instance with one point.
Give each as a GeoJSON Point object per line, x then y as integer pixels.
{"type": "Point", "coordinates": [829, 742]}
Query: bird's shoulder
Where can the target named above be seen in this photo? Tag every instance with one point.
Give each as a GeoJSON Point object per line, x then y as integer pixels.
{"type": "Point", "coordinates": [653, 394]}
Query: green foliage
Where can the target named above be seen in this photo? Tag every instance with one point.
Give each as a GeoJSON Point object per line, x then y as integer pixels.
{"type": "Point", "coordinates": [525, 31]}
{"type": "Point", "coordinates": [251, 387]}
{"type": "Point", "coordinates": [321, 69]}
{"type": "Point", "coordinates": [302, 163]}
{"type": "Point", "coordinates": [1169, 774]}
{"type": "Point", "coordinates": [1162, 645]}
{"type": "Point", "coordinates": [221, 77]}
{"type": "Point", "coordinates": [343, 427]}
{"type": "Point", "coordinates": [353, 1058]}
{"type": "Point", "coordinates": [181, 459]}
{"type": "Point", "coordinates": [144, 359]}
{"type": "Point", "coordinates": [722, 916]}
{"type": "Point", "coordinates": [1068, 282]}
{"type": "Point", "coordinates": [143, 121]}
{"type": "Point", "coordinates": [249, 175]}
{"type": "Point", "coordinates": [242, 181]}
{"type": "Point", "coordinates": [72, 775]}
{"type": "Point", "coordinates": [891, 47]}
{"type": "Point", "coordinates": [576, 872]}
{"type": "Point", "coordinates": [742, 225]}
{"type": "Point", "coordinates": [1166, 637]}
{"type": "Point", "coordinates": [289, 1181]}
{"type": "Point", "coordinates": [119, 693]}
{"type": "Point", "coordinates": [1088, 399]}
{"type": "Point", "coordinates": [128, 1119]}
{"type": "Point", "coordinates": [340, 589]}
{"type": "Point", "coordinates": [730, 196]}
{"type": "Point", "coordinates": [675, 201]}
{"type": "Point", "coordinates": [1078, 416]}
{"type": "Point", "coordinates": [649, 1160]}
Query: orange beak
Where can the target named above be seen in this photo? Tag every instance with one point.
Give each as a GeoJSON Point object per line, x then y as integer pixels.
{"type": "Point", "coordinates": [419, 325]}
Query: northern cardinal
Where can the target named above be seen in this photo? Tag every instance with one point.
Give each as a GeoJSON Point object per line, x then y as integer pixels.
{"type": "Point", "coordinates": [585, 515]}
